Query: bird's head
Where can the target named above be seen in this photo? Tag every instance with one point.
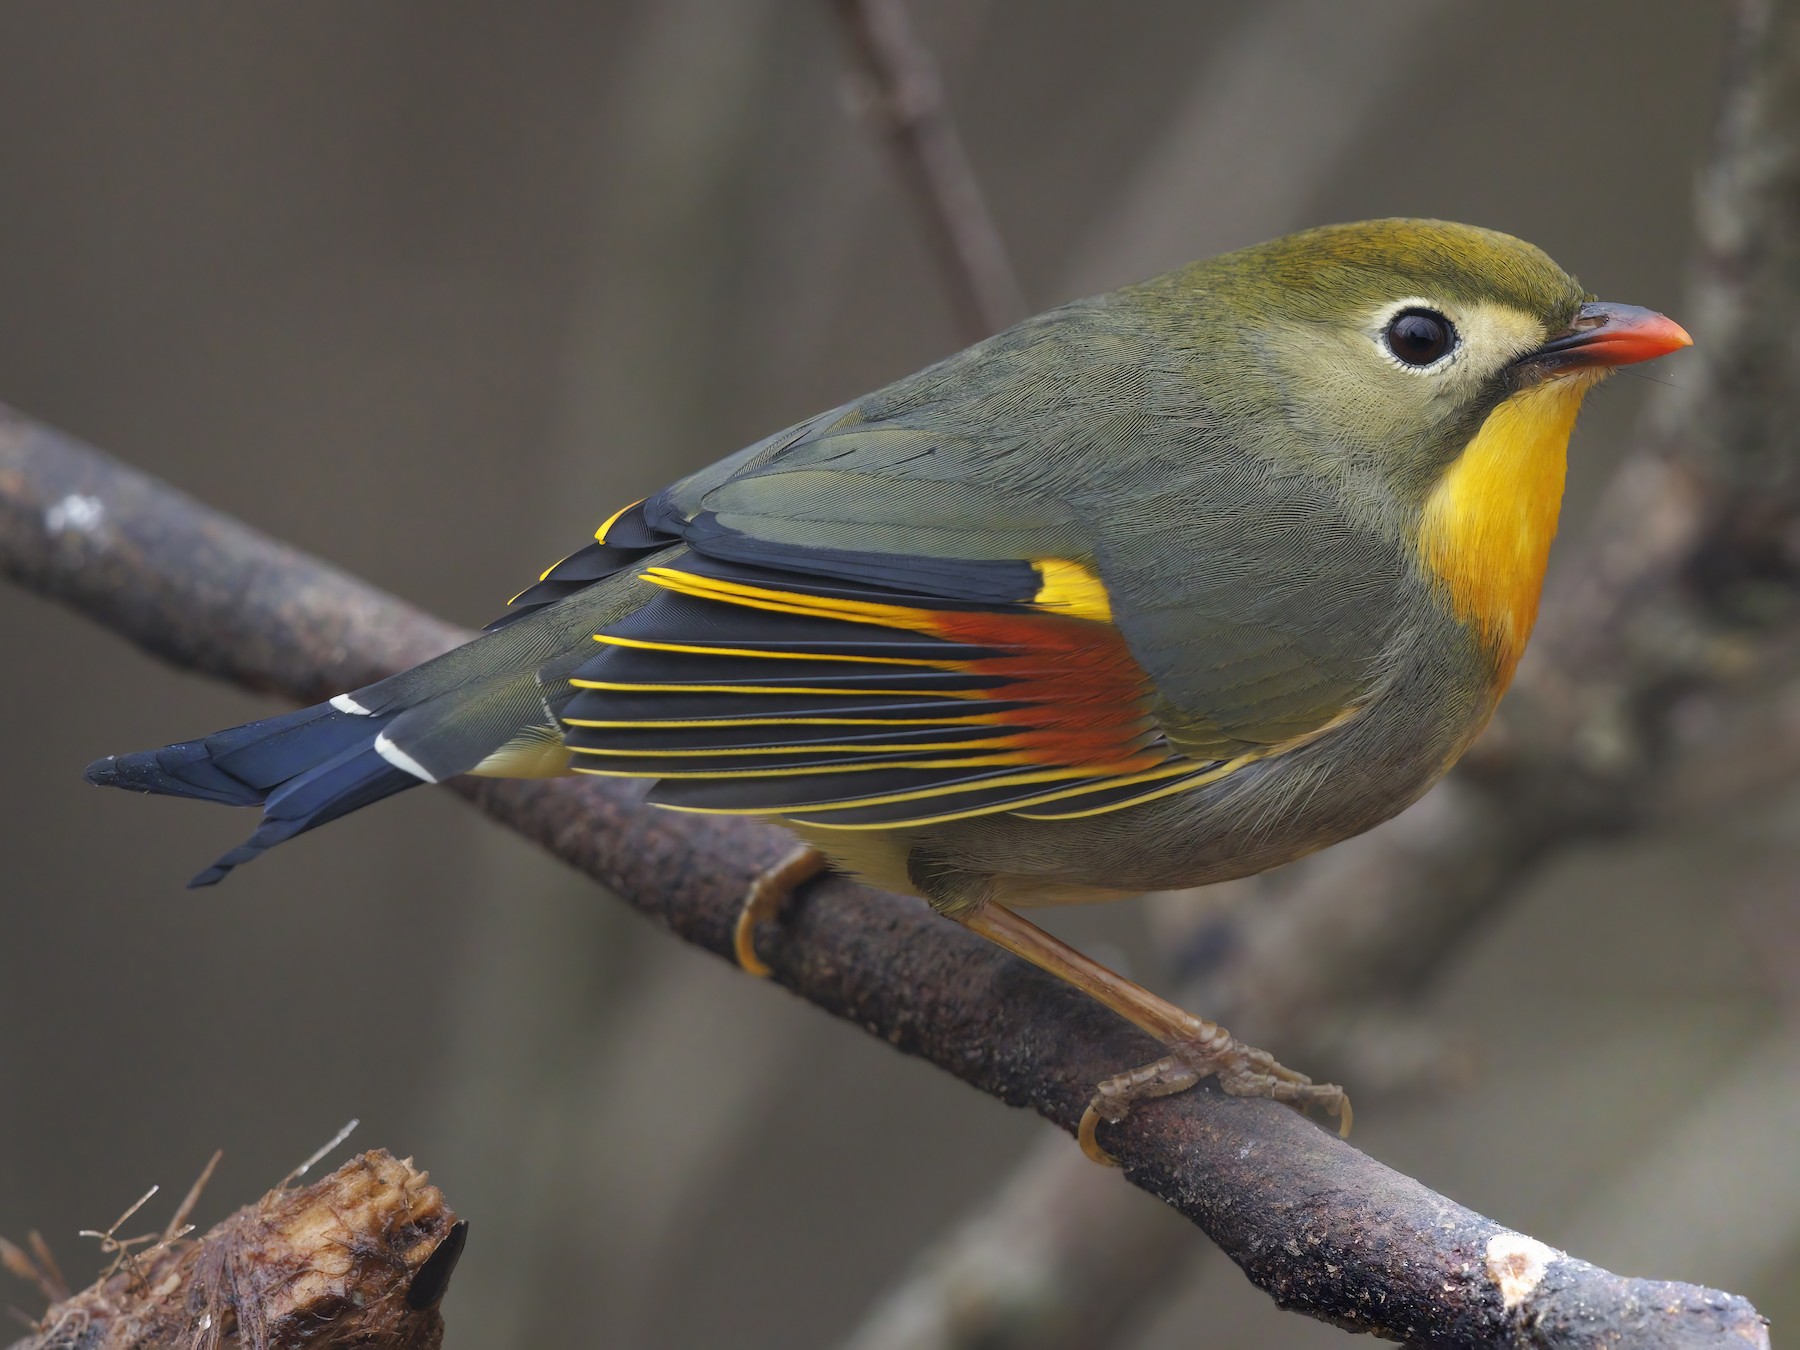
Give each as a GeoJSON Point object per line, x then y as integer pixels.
{"type": "Point", "coordinates": [1441, 367]}
{"type": "Point", "coordinates": [1393, 340]}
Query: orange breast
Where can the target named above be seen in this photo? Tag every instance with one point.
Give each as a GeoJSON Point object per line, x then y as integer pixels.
{"type": "Point", "coordinates": [1487, 526]}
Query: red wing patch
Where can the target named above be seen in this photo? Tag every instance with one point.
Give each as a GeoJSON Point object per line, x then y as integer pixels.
{"type": "Point", "coordinates": [844, 704]}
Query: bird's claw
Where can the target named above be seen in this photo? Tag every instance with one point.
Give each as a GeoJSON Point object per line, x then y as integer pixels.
{"type": "Point", "coordinates": [768, 891]}
{"type": "Point", "coordinates": [1242, 1071]}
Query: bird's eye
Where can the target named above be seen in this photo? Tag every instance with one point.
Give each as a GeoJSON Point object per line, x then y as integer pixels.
{"type": "Point", "coordinates": [1418, 337]}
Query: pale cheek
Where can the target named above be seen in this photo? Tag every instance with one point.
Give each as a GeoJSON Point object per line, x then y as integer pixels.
{"type": "Point", "coordinates": [1354, 398]}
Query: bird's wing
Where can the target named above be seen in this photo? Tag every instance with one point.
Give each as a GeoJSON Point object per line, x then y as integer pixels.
{"type": "Point", "coordinates": [846, 647]}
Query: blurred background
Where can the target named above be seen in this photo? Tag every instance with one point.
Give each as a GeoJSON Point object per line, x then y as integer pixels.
{"type": "Point", "coordinates": [430, 290]}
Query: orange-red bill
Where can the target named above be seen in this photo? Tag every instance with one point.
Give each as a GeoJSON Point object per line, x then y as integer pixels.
{"type": "Point", "coordinates": [1612, 335]}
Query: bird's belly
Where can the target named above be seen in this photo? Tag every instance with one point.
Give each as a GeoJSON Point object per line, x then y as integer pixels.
{"type": "Point", "coordinates": [1171, 844]}
{"type": "Point", "coordinates": [884, 858]}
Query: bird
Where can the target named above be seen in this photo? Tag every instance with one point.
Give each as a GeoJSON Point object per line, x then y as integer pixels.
{"type": "Point", "coordinates": [1160, 588]}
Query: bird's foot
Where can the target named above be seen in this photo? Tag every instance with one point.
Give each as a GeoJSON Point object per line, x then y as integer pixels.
{"type": "Point", "coordinates": [763, 901]}
{"type": "Point", "coordinates": [1242, 1071]}
{"type": "Point", "coordinates": [1197, 1048]}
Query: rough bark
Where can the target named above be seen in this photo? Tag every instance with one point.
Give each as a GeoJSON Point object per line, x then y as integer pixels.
{"type": "Point", "coordinates": [359, 1258]}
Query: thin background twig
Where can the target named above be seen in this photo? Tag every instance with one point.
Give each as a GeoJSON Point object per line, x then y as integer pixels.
{"type": "Point", "coordinates": [897, 87]}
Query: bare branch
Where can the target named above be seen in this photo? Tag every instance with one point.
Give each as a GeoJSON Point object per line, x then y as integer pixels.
{"type": "Point", "coordinates": [359, 1258]}
{"type": "Point", "coordinates": [1323, 1228]}
{"type": "Point", "coordinates": [900, 92]}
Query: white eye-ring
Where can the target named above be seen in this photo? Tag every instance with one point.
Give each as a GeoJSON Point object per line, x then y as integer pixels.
{"type": "Point", "coordinates": [1417, 336]}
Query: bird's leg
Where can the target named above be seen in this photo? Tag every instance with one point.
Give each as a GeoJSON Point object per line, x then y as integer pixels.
{"type": "Point", "coordinates": [763, 901]}
{"type": "Point", "coordinates": [1198, 1048]}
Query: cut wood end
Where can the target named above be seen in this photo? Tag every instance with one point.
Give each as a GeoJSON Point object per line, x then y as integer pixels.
{"type": "Point", "coordinates": [1517, 1264]}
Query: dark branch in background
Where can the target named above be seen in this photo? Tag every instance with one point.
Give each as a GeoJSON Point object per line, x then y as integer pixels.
{"type": "Point", "coordinates": [1685, 594]}
{"type": "Point", "coordinates": [1324, 1229]}
{"type": "Point", "coordinates": [360, 1258]}
{"type": "Point", "coordinates": [1638, 705]}
{"type": "Point", "coordinates": [1061, 1256]}
{"type": "Point", "coordinates": [899, 90]}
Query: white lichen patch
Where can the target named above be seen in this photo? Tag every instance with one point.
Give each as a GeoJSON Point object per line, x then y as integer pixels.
{"type": "Point", "coordinates": [74, 512]}
{"type": "Point", "coordinates": [1516, 1264]}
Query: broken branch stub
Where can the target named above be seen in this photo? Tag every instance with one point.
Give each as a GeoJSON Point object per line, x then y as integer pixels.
{"type": "Point", "coordinates": [359, 1258]}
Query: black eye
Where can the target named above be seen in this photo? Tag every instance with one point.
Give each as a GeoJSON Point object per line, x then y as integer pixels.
{"type": "Point", "coordinates": [1419, 336]}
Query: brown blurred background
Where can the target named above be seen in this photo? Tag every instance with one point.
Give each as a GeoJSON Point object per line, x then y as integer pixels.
{"type": "Point", "coordinates": [429, 290]}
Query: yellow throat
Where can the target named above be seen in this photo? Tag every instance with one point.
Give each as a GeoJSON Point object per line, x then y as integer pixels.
{"type": "Point", "coordinates": [1486, 530]}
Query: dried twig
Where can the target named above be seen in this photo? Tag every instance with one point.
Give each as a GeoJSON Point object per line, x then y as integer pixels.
{"type": "Point", "coordinates": [178, 1221]}
{"type": "Point", "coordinates": [360, 1258]}
{"type": "Point", "coordinates": [899, 90]}
{"type": "Point", "coordinates": [35, 1267]}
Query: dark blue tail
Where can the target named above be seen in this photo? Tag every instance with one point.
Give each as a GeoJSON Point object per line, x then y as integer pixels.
{"type": "Point", "coordinates": [303, 769]}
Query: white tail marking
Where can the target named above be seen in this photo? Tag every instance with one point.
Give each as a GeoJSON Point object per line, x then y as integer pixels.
{"type": "Point", "coordinates": [394, 755]}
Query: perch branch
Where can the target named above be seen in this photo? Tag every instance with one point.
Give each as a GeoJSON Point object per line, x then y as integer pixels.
{"type": "Point", "coordinates": [359, 1258]}
{"type": "Point", "coordinates": [1323, 1228]}
{"type": "Point", "coordinates": [899, 91]}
